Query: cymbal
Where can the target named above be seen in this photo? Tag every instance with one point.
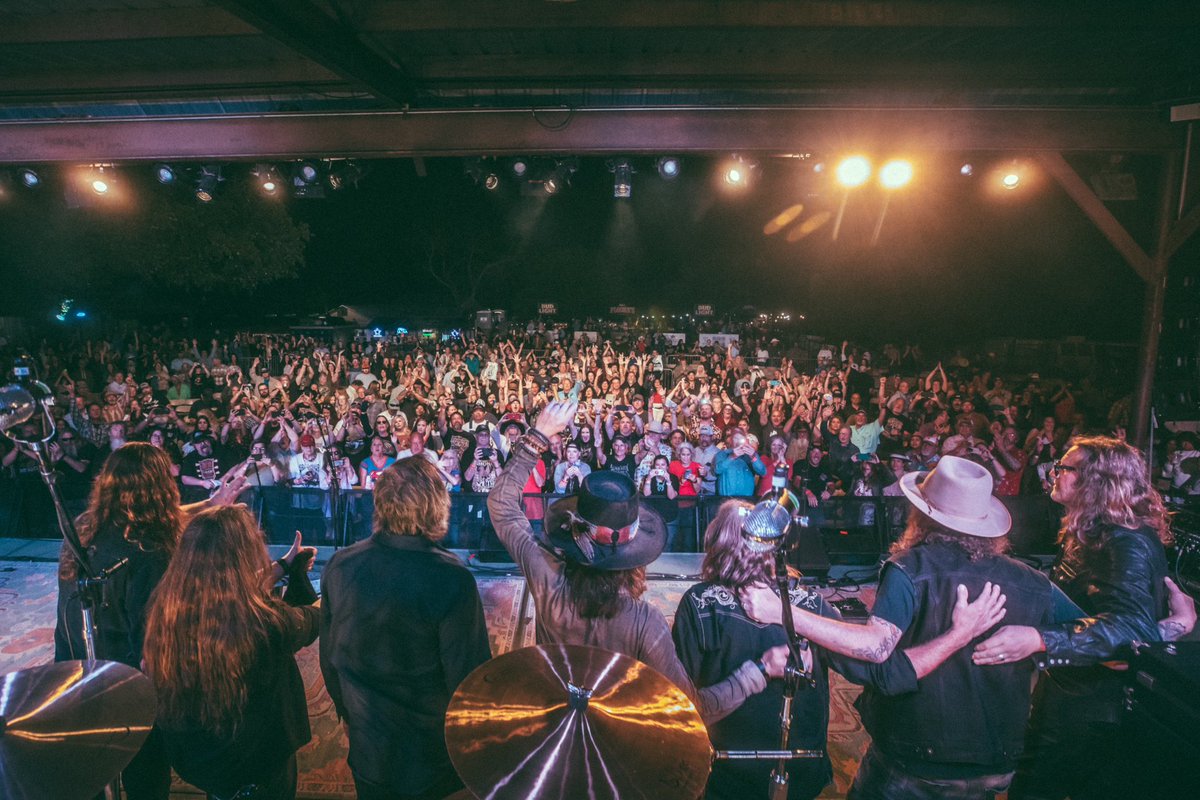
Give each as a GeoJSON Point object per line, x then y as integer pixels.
{"type": "Point", "coordinates": [569, 721]}
{"type": "Point", "coordinates": [68, 729]}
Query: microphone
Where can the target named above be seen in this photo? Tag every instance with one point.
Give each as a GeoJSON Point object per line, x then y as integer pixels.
{"type": "Point", "coordinates": [767, 524]}
{"type": "Point", "coordinates": [16, 406]}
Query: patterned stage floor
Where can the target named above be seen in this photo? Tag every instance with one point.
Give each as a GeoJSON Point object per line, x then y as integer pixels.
{"type": "Point", "coordinates": [27, 608]}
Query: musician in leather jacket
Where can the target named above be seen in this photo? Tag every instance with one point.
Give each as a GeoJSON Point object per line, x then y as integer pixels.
{"type": "Point", "coordinates": [1113, 566]}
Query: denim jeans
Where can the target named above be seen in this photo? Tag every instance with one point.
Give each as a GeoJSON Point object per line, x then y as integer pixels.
{"type": "Point", "coordinates": [880, 778]}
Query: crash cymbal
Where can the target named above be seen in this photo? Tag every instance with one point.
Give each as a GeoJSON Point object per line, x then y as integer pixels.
{"type": "Point", "coordinates": [68, 729]}
{"type": "Point", "coordinates": [568, 721]}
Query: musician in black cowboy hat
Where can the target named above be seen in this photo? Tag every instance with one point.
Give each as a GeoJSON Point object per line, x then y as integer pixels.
{"type": "Point", "coordinates": [588, 577]}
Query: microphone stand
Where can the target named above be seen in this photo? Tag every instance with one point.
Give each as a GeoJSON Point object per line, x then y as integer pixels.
{"type": "Point", "coordinates": [335, 483]}
{"type": "Point", "coordinates": [794, 674]}
{"type": "Point", "coordinates": [89, 583]}
{"type": "Point", "coordinates": [766, 536]}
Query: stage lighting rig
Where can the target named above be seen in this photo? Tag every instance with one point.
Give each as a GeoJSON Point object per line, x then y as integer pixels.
{"type": "Point", "coordinates": [208, 177]}
{"type": "Point", "coordinates": [622, 172]}
{"type": "Point", "coordinates": [668, 167]}
{"type": "Point", "coordinates": [268, 178]}
{"type": "Point", "coordinates": [345, 173]}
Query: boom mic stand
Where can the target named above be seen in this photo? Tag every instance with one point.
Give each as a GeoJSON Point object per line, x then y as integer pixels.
{"type": "Point", "coordinates": [19, 404]}
{"type": "Point", "coordinates": [765, 530]}
{"type": "Point", "coordinates": [335, 483]}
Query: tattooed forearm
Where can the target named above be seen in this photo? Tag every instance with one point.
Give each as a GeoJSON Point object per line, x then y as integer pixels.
{"type": "Point", "coordinates": [1169, 630]}
{"type": "Point", "coordinates": [877, 653]}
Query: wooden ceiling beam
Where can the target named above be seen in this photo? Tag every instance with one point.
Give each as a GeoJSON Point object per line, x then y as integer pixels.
{"type": "Point", "coordinates": [707, 68]}
{"type": "Point", "coordinates": [126, 25]}
{"type": "Point", "coordinates": [151, 84]}
{"type": "Point", "coordinates": [481, 15]}
{"type": "Point", "coordinates": [1095, 210]}
{"type": "Point", "coordinates": [587, 131]}
{"type": "Point", "coordinates": [304, 28]}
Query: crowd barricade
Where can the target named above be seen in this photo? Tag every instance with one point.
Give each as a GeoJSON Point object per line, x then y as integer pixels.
{"type": "Point", "coordinates": [852, 530]}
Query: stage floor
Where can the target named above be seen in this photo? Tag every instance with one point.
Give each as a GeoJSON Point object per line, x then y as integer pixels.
{"type": "Point", "coordinates": [27, 609]}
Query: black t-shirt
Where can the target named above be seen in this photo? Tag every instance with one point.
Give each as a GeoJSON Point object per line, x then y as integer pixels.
{"type": "Point", "coordinates": [625, 466]}
{"type": "Point", "coordinates": [807, 477]}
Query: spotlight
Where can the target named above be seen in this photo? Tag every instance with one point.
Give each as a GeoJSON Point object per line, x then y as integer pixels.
{"type": "Point", "coordinates": [206, 183]}
{"type": "Point", "coordinates": [1011, 179]}
{"type": "Point", "coordinates": [519, 167]}
{"type": "Point", "coordinates": [306, 172]}
{"type": "Point", "coordinates": [966, 170]}
{"type": "Point", "coordinates": [622, 172]}
{"type": "Point", "coordinates": [347, 173]}
{"type": "Point", "coordinates": [29, 178]}
{"type": "Point", "coordinates": [668, 168]}
{"type": "Point", "coordinates": [737, 172]}
{"type": "Point", "coordinates": [99, 181]}
{"type": "Point", "coordinates": [560, 176]}
{"type": "Point", "coordinates": [895, 174]}
{"type": "Point", "coordinates": [305, 184]}
{"type": "Point", "coordinates": [268, 178]}
{"type": "Point", "coordinates": [491, 182]}
{"type": "Point", "coordinates": [819, 167]}
{"type": "Point", "coordinates": [853, 171]}
{"type": "Point", "coordinates": [165, 174]}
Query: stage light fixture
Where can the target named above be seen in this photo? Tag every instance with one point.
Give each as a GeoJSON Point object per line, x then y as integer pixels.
{"type": "Point", "coordinates": [207, 179]}
{"type": "Point", "coordinates": [29, 178]}
{"type": "Point", "coordinates": [268, 178]}
{"type": "Point", "coordinates": [491, 182]}
{"type": "Point", "coordinates": [306, 172]}
{"type": "Point", "coordinates": [622, 172]}
{"type": "Point", "coordinates": [668, 168]}
{"type": "Point", "coordinates": [853, 171]}
{"type": "Point", "coordinates": [737, 171]}
{"type": "Point", "coordinates": [99, 180]}
{"type": "Point", "coordinates": [305, 181]}
{"type": "Point", "coordinates": [519, 167]}
{"type": "Point", "coordinates": [560, 177]}
{"type": "Point", "coordinates": [346, 173]}
{"type": "Point", "coordinates": [966, 170]}
{"type": "Point", "coordinates": [165, 174]}
{"type": "Point", "coordinates": [895, 173]}
{"type": "Point", "coordinates": [1011, 179]}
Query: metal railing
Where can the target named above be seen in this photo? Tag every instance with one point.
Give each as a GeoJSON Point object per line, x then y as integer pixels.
{"type": "Point", "coordinates": [852, 529]}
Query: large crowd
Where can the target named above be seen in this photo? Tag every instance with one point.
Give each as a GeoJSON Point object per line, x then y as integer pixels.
{"type": "Point", "coordinates": [946, 656]}
{"type": "Point", "coordinates": [736, 418]}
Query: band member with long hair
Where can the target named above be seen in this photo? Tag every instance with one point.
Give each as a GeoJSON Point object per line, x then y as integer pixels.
{"type": "Point", "coordinates": [401, 625]}
{"type": "Point", "coordinates": [1113, 565]}
{"type": "Point", "coordinates": [713, 633]}
{"type": "Point", "coordinates": [588, 582]}
{"type": "Point", "coordinates": [133, 513]}
{"type": "Point", "coordinates": [220, 650]}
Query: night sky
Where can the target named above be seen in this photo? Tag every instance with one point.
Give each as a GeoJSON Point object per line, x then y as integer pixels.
{"type": "Point", "coordinates": [954, 261]}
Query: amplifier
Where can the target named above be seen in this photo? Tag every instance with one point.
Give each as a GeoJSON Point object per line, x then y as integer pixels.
{"type": "Point", "coordinates": [1162, 725]}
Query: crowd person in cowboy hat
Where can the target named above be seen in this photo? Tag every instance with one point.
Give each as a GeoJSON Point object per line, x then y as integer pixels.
{"type": "Point", "coordinates": [962, 728]}
{"type": "Point", "coordinates": [587, 579]}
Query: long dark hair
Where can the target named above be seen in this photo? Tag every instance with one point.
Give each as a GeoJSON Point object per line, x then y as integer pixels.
{"type": "Point", "coordinates": [596, 593]}
{"type": "Point", "coordinates": [208, 620]}
{"type": "Point", "coordinates": [1112, 489]}
{"type": "Point", "coordinates": [135, 495]}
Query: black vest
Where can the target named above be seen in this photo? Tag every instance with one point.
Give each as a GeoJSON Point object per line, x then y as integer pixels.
{"type": "Point", "coordinates": [961, 713]}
